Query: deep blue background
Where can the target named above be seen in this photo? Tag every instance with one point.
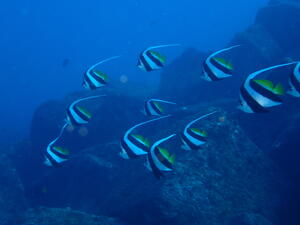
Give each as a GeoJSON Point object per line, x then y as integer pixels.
{"type": "Point", "coordinates": [37, 36]}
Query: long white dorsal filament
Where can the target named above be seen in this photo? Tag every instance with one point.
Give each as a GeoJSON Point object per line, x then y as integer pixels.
{"type": "Point", "coordinates": [103, 61]}
{"type": "Point", "coordinates": [86, 98]}
{"type": "Point", "coordinates": [163, 101]}
{"type": "Point", "coordinates": [162, 46]}
{"type": "Point", "coordinates": [222, 50]}
{"type": "Point", "coordinates": [143, 123]}
{"type": "Point", "coordinates": [60, 134]}
{"type": "Point", "coordinates": [252, 75]}
{"type": "Point", "coordinates": [200, 118]}
{"type": "Point", "coordinates": [161, 141]}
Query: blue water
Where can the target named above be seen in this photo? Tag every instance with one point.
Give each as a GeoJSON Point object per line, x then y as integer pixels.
{"type": "Point", "coordinates": [45, 49]}
{"type": "Point", "coordinates": [38, 36]}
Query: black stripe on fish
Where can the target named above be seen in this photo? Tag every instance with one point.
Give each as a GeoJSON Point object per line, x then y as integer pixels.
{"type": "Point", "coordinates": [58, 154]}
{"type": "Point", "coordinates": [254, 105]}
{"type": "Point", "coordinates": [137, 143]}
{"type": "Point", "coordinates": [264, 92]}
{"type": "Point", "coordinates": [162, 159]}
{"type": "Point", "coordinates": [210, 74]}
{"type": "Point", "coordinates": [71, 118]}
{"type": "Point", "coordinates": [157, 173]}
{"type": "Point", "coordinates": [154, 60]}
{"type": "Point", "coordinates": [155, 108]}
{"type": "Point", "coordinates": [196, 136]}
{"type": "Point", "coordinates": [80, 114]}
{"type": "Point", "coordinates": [128, 150]}
{"type": "Point", "coordinates": [295, 82]}
{"type": "Point", "coordinates": [89, 82]}
{"type": "Point", "coordinates": [97, 78]}
{"type": "Point", "coordinates": [189, 143]}
{"type": "Point", "coordinates": [145, 63]}
{"type": "Point", "coordinates": [147, 111]}
{"type": "Point", "coordinates": [51, 160]}
{"type": "Point", "coordinates": [220, 66]}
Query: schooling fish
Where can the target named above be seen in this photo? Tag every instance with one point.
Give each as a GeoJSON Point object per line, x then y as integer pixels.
{"type": "Point", "coordinates": [77, 115]}
{"type": "Point", "coordinates": [193, 138]}
{"type": "Point", "coordinates": [294, 82]}
{"type": "Point", "coordinates": [159, 159]}
{"type": "Point", "coordinates": [215, 68]}
{"type": "Point", "coordinates": [133, 145]}
{"type": "Point", "coordinates": [150, 60]}
{"type": "Point", "coordinates": [154, 108]}
{"type": "Point", "coordinates": [55, 154]}
{"type": "Point", "coordinates": [258, 95]}
{"type": "Point", "coordinates": [94, 79]}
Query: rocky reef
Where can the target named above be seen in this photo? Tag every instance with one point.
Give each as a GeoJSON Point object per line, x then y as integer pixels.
{"type": "Point", "coordinates": [228, 181]}
{"type": "Point", "coordinates": [236, 178]}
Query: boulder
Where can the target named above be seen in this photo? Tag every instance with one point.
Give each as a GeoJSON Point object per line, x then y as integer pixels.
{"type": "Point", "coordinates": [56, 216]}
{"type": "Point", "coordinates": [12, 200]}
{"type": "Point", "coordinates": [228, 178]}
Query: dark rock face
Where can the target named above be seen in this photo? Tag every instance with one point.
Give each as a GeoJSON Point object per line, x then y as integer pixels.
{"type": "Point", "coordinates": [230, 181]}
{"type": "Point", "coordinates": [12, 200]}
{"type": "Point", "coordinates": [54, 216]}
{"type": "Point", "coordinates": [230, 177]}
{"type": "Point", "coordinates": [262, 44]}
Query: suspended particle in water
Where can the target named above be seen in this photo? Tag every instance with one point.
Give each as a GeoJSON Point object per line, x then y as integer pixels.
{"type": "Point", "coordinates": [123, 79]}
{"type": "Point", "coordinates": [83, 131]}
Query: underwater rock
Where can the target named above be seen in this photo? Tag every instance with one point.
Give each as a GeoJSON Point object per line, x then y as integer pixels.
{"type": "Point", "coordinates": [183, 73]}
{"type": "Point", "coordinates": [262, 44]}
{"type": "Point", "coordinates": [12, 200]}
{"type": "Point", "coordinates": [230, 176]}
{"type": "Point", "coordinates": [56, 216]}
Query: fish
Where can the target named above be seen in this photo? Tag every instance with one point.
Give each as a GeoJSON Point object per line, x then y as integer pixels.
{"type": "Point", "coordinates": [78, 115]}
{"type": "Point", "coordinates": [193, 138]}
{"type": "Point", "coordinates": [159, 160]}
{"type": "Point", "coordinates": [94, 79]}
{"type": "Point", "coordinates": [256, 96]}
{"type": "Point", "coordinates": [216, 68]}
{"type": "Point", "coordinates": [153, 107]}
{"type": "Point", "coordinates": [56, 154]}
{"type": "Point", "coordinates": [135, 145]}
{"type": "Point", "coordinates": [294, 82]}
{"type": "Point", "coordinates": [150, 60]}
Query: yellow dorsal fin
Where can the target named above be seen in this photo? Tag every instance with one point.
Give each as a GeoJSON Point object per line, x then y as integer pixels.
{"type": "Point", "coordinates": [167, 155]}
{"type": "Point", "coordinates": [200, 132]}
{"type": "Point", "coordinates": [158, 56]}
{"type": "Point", "coordinates": [61, 150]}
{"type": "Point", "coordinates": [224, 62]}
{"type": "Point", "coordinates": [160, 108]}
{"type": "Point", "coordinates": [279, 90]}
{"type": "Point", "coordinates": [101, 75]}
{"type": "Point", "coordinates": [142, 139]}
{"type": "Point", "coordinates": [84, 111]}
{"type": "Point", "coordinates": [265, 83]}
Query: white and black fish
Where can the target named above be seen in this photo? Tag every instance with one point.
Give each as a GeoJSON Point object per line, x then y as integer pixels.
{"type": "Point", "coordinates": [154, 108]}
{"type": "Point", "coordinates": [193, 138]}
{"type": "Point", "coordinates": [134, 145]}
{"type": "Point", "coordinates": [294, 82]}
{"type": "Point", "coordinates": [256, 96]}
{"type": "Point", "coordinates": [159, 160]}
{"type": "Point", "coordinates": [150, 60]}
{"type": "Point", "coordinates": [55, 154]}
{"type": "Point", "coordinates": [77, 115]}
{"type": "Point", "coordinates": [216, 68]}
{"type": "Point", "coordinates": [94, 79]}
